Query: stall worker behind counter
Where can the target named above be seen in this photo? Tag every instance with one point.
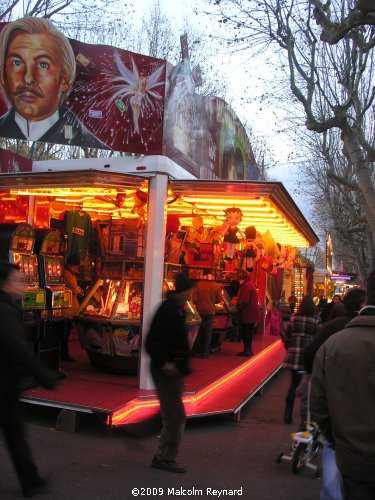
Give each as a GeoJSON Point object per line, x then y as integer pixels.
{"type": "Point", "coordinates": [206, 294]}
{"type": "Point", "coordinates": [247, 304]}
{"type": "Point", "coordinates": [70, 276]}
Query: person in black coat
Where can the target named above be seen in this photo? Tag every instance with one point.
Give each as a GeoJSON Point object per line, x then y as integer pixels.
{"type": "Point", "coordinates": [325, 314]}
{"type": "Point", "coordinates": [17, 361]}
{"type": "Point", "coordinates": [350, 306]}
{"type": "Point", "coordinates": [168, 347]}
{"type": "Point", "coordinates": [352, 303]}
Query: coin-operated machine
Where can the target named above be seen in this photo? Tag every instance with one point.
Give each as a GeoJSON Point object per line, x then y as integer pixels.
{"type": "Point", "coordinates": [51, 265]}
{"type": "Point", "coordinates": [108, 323]}
{"type": "Point", "coordinates": [17, 243]}
{"type": "Point", "coordinates": [58, 296]}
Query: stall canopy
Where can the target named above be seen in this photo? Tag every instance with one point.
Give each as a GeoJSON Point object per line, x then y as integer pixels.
{"type": "Point", "coordinates": [265, 205]}
{"type": "Point", "coordinates": [83, 178]}
{"type": "Point", "coordinates": [101, 194]}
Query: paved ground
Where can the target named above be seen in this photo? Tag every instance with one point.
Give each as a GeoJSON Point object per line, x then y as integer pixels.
{"type": "Point", "coordinates": [219, 453]}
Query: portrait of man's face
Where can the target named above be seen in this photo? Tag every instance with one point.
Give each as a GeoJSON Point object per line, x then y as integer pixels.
{"type": "Point", "coordinates": [32, 75]}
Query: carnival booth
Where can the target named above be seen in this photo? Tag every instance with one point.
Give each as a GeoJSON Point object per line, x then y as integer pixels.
{"type": "Point", "coordinates": [133, 221]}
{"type": "Point", "coordinates": [141, 230]}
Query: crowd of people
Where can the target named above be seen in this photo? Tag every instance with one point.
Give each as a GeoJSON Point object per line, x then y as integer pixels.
{"type": "Point", "coordinates": [332, 347]}
{"type": "Point", "coordinates": [334, 352]}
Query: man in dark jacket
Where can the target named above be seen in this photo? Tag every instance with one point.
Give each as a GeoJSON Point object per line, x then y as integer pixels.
{"type": "Point", "coordinates": [167, 345]}
{"type": "Point", "coordinates": [16, 360]}
{"type": "Point", "coordinates": [345, 311]}
{"type": "Point", "coordinates": [248, 311]}
{"type": "Point", "coordinates": [352, 302]}
{"type": "Point", "coordinates": [343, 398]}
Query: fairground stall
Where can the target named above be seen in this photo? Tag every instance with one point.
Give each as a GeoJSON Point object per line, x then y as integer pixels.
{"type": "Point", "coordinates": [188, 197]}
{"type": "Point", "coordinates": [139, 230]}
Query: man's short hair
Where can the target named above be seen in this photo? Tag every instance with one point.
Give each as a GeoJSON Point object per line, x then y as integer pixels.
{"type": "Point", "coordinates": [354, 299]}
{"type": "Point", "coordinates": [242, 274]}
{"type": "Point", "coordinates": [34, 25]}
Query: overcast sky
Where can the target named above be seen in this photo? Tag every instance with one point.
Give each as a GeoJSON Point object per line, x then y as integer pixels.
{"type": "Point", "coordinates": [246, 79]}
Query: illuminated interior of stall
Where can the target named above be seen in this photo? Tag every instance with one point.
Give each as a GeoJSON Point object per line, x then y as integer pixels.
{"type": "Point", "coordinates": [100, 203]}
{"type": "Point", "coordinates": [104, 203]}
{"type": "Point", "coordinates": [13, 208]}
{"type": "Point", "coordinates": [258, 212]}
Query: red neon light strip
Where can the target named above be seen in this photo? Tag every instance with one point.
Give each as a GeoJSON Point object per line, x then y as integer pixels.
{"type": "Point", "coordinates": [236, 373]}
{"type": "Point", "coordinates": [137, 405]}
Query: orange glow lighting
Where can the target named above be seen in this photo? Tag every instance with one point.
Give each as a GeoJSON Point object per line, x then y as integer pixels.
{"type": "Point", "coordinates": [138, 406]}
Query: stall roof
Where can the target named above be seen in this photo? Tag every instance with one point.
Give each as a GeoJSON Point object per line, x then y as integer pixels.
{"type": "Point", "coordinates": [144, 165]}
{"type": "Point", "coordinates": [59, 179]}
{"type": "Point", "coordinates": [266, 205]}
{"type": "Point", "coordinates": [233, 193]}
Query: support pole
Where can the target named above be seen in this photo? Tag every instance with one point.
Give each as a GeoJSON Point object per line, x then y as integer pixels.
{"type": "Point", "coordinates": [154, 265]}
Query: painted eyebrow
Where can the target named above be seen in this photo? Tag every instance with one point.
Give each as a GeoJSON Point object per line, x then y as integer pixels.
{"type": "Point", "coordinates": [41, 56]}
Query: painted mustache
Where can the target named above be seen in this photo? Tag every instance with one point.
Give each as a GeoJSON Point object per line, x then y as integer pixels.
{"type": "Point", "coordinates": [28, 90]}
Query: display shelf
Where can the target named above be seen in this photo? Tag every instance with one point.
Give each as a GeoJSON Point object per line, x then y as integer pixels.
{"type": "Point", "coordinates": [115, 269]}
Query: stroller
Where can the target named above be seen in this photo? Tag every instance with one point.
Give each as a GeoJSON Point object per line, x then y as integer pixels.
{"type": "Point", "coordinates": [305, 445]}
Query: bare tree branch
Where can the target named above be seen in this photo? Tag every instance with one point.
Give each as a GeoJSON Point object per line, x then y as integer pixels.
{"type": "Point", "coordinates": [332, 32]}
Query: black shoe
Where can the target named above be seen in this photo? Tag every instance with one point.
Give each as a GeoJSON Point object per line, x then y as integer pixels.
{"type": "Point", "coordinates": [168, 465]}
{"type": "Point", "coordinates": [61, 375]}
{"type": "Point", "coordinates": [243, 353]}
{"type": "Point", "coordinates": [202, 356]}
{"type": "Point", "coordinates": [40, 486]}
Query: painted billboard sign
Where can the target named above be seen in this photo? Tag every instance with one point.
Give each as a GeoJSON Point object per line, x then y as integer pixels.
{"type": "Point", "coordinates": [63, 91]}
{"type": "Point", "coordinates": [67, 92]}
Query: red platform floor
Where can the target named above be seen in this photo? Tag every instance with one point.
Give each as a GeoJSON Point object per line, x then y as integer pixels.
{"type": "Point", "coordinates": [222, 383]}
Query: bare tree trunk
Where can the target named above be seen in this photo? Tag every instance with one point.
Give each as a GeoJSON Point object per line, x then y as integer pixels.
{"type": "Point", "coordinates": [353, 152]}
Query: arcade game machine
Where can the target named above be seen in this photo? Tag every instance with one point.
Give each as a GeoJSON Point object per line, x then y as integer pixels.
{"type": "Point", "coordinates": [58, 296]}
{"type": "Point", "coordinates": [109, 319]}
{"type": "Point", "coordinates": [17, 245]}
{"type": "Point", "coordinates": [21, 253]}
{"type": "Point", "coordinates": [108, 323]}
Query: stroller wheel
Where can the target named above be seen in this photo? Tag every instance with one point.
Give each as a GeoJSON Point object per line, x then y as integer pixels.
{"type": "Point", "coordinates": [279, 458]}
{"type": "Point", "coordinates": [299, 458]}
